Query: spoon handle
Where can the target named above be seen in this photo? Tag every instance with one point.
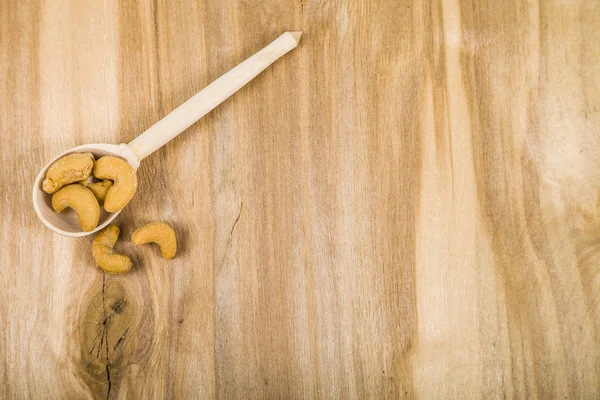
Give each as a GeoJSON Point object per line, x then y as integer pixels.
{"type": "Point", "coordinates": [211, 96]}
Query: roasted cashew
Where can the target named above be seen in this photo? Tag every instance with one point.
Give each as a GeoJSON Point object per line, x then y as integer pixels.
{"type": "Point", "coordinates": [68, 169]}
{"type": "Point", "coordinates": [159, 233]}
{"type": "Point", "coordinates": [80, 199]}
{"type": "Point", "coordinates": [105, 257]}
{"type": "Point", "coordinates": [100, 189]}
{"type": "Point", "coordinates": [125, 181]}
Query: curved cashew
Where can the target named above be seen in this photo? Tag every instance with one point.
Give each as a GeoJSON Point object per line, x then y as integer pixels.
{"type": "Point", "coordinates": [125, 181]}
{"type": "Point", "coordinates": [105, 257]}
{"type": "Point", "coordinates": [68, 169]}
{"type": "Point", "coordinates": [100, 189]}
{"type": "Point", "coordinates": [161, 234]}
{"type": "Point", "coordinates": [80, 199]}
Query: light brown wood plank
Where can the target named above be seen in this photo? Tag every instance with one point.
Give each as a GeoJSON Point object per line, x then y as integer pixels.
{"type": "Point", "coordinates": [405, 206]}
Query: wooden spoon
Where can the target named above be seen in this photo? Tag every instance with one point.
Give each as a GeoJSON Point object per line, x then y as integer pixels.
{"type": "Point", "coordinates": [159, 134]}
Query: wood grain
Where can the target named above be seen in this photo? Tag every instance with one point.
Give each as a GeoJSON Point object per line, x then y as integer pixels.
{"type": "Point", "coordinates": [405, 206]}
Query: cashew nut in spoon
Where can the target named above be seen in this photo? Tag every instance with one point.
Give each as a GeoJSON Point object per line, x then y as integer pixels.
{"type": "Point", "coordinates": [99, 189]}
{"type": "Point", "coordinates": [161, 234]}
{"type": "Point", "coordinates": [80, 199]}
{"type": "Point", "coordinates": [125, 181]}
{"type": "Point", "coordinates": [67, 170]}
{"type": "Point", "coordinates": [104, 255]}
{"type": "Point", "coordinates": [159, 134]}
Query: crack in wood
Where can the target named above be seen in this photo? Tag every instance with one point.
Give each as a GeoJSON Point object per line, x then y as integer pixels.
{"type": "Point", "coordinates": [105, 336]}
{"type": "Point", "coordinates": [121, 339]}
{"type": "Point", "coordinates": [115, 311]}
{"type": "Point", "coordinates": [230, 236]}
{"type": "Point", "coordinates": [100, 333]}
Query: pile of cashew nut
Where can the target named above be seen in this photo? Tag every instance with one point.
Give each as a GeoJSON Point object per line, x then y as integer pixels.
{"type": "Point", "coordinates": [81, 182]}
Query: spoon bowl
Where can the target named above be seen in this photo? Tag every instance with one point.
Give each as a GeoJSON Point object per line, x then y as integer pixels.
{"type": "Point", "coordinates": [67, 224]}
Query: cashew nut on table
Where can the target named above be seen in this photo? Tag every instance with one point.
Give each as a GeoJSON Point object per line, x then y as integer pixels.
{"type": "Point", "coordinates": [104, 255]}
{"type": "Point", "coordinates": [159, 233]}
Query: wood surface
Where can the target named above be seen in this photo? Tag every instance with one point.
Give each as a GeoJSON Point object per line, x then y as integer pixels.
{"type": "Point", "coordinates": [405, 206]}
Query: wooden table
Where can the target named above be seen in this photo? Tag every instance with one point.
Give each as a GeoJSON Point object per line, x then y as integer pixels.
{"type": "Point", "coordinates": [405, 206]}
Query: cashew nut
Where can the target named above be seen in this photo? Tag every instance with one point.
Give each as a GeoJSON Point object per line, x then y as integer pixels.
{"type": "Point", "coordinates": [159, 233]}
{"type": "Point", "coordinates": [80, 199]}
{"type": "Point", "coordinates": [100, 189]}
{"type": "Point", "coordinates": [125, 181]}
{"type": "Point", "coordinates": [68, 169]}
{"type": "Point", "coordinates": [105, 257]}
